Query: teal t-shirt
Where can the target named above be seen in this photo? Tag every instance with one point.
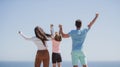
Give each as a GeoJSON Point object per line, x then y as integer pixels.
{"type": "Point", "coordinates": [78, 37]}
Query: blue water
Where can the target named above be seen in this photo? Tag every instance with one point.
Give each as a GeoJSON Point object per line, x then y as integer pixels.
{"type": "Point", "coordinates": [64, 64]}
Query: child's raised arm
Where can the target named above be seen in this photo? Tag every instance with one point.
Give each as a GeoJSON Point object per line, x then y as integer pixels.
{"type": "Point", "coordinates": [93, 21]}
{"type": "Point", "coordinates": [52, 30]}
{"type": "Point", "coordinates": [62, 33]}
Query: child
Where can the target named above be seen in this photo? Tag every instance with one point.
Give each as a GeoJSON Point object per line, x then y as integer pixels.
{"type": "Point", "coordinates": [56, 39]}
{"type": "Point", "coordinates": [40, 41]}
{"type": "Point", "coordinates": [78, 37]}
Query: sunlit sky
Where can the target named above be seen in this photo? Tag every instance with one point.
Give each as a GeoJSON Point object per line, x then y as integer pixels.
{"type": "Point", "coordinates": [102, 42]}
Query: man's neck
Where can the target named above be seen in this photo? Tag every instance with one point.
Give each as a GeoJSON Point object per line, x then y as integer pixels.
{"type": "Point", "coordinates": [78, 28]}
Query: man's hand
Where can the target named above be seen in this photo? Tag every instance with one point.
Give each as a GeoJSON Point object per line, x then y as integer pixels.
{"type": "Point", "coordinates": [60, 26]}
{"type": "Point", "coordinates": [97, 14]}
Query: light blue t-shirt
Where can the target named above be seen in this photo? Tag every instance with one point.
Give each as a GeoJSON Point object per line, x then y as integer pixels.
{"type": "Point", "coordinates": [78, 37]}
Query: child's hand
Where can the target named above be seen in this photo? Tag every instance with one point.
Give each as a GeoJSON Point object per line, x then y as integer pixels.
{"type": "Point", "coordinates": [51, 25]}
{"type": "Point", "coordinates": [60, 26]}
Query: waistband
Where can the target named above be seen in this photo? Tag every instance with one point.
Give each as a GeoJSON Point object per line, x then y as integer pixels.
{"type": "Point", "coordinates": [55, 53]}
{"type": "Point", "coordinates": [42, 50]}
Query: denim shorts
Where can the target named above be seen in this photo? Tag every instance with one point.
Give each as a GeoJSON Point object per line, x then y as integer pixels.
{"type": "Point", "coordinates": [78, 56]}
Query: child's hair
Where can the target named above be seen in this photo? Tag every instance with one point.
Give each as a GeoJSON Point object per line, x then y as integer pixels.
{"type": "Point", "coordinates": [58, 37]}
{"type": "Point", "coordinates": [78, 23]}
{"type": "Point", "coordinates": [41, 34]}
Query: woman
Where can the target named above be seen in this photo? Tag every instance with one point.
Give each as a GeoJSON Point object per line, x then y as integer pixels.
{"type": "Point", "coordinates": [40, 39]}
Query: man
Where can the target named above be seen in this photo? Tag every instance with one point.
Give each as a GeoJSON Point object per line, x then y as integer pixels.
{"type": "Point", "coordinates": [78, 37]}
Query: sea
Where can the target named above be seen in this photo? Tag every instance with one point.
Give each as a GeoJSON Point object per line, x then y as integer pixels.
{"type": "Point", "coordinates": [64, 64]}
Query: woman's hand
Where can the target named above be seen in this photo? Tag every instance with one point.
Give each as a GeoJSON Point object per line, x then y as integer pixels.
{"type": "Point", "coordinates": [19, 32]}
{"type": "Point", "coordinates": [51, 25]}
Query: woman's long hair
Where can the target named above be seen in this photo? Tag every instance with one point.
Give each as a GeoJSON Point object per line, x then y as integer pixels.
{"type": "Point", "coordinates": [41, 34]}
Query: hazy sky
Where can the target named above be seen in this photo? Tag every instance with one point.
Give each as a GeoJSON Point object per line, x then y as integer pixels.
{"type": "Point", "coordinates": [102, 42]}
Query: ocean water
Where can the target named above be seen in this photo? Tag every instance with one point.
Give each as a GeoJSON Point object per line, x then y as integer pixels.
{"type": "Point", "coordinates": [64, 64]}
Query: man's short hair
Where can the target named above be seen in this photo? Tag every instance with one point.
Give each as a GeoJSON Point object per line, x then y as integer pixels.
{"type": "Point", "coordinates": [78, 23]}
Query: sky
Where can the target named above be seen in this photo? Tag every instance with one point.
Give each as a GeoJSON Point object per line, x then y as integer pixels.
{"type": "Point", "coordinates": [102, 42]}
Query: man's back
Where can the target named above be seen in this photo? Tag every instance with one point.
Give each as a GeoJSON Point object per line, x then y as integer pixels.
{"type": "Point", "coordinates": [78, 37]}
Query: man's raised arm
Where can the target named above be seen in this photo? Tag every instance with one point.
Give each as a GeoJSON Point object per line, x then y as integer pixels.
{"type": "Point", "coordinates": [93, 21]}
